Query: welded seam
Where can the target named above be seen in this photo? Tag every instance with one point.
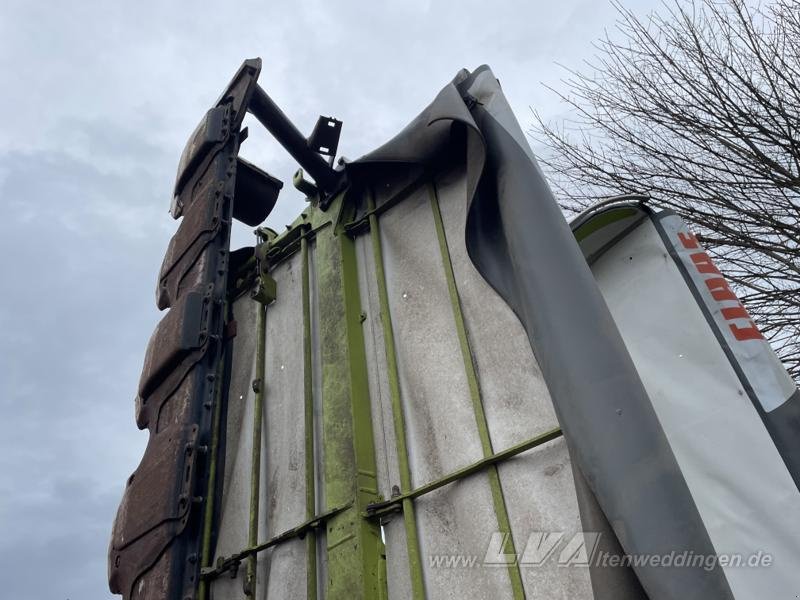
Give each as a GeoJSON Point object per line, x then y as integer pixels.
{"type": "Point", "coordinates": [409, 516]}
{"type": "Point", "coordinates": [500, 509]}
{"type": "Point", "coordinates": [308, 397]}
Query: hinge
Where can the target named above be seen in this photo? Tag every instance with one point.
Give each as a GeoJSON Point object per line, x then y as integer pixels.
{"type": "Point", "coordinates": [265, 290]}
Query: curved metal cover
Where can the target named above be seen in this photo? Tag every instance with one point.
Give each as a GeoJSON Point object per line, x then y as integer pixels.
{"type": "Point", "coordinates": [729, 410]}
{"type": "Point", "coordinates": [518, 240]}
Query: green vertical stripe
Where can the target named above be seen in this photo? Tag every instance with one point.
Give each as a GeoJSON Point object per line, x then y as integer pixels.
{"type": "Point", "coordinates": [409, 517]}
{"type": "Point", "coordinates": [474, 389]}
{"type": "Point", "coordinates": [255, 467]}
{"type": "Point", "coordinates": [308, 393]}
{"type": "Point", "coordinates": [353, 544]}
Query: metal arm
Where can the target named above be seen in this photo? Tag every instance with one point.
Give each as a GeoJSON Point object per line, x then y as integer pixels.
{"type": "Point", "coordinates": [278, 124]}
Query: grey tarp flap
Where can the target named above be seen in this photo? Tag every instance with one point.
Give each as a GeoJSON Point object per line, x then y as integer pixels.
{"type": "Point", "coordinates": [520, 242]}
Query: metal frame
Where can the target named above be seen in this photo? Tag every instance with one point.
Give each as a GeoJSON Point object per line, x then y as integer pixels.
{"type": "Point", "coordinates": [349, 466]}
{"type": "Point", "coordinates": [308, 414]}
{"type": "Point", "coordinates": [350, 526]}
{"type": "Point", "coordinates": [379, 509]}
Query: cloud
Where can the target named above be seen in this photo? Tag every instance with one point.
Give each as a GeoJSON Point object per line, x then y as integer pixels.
{"type": "Point", "coordinates": [78, 247]}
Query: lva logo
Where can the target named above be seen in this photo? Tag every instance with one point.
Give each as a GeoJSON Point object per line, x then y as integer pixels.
{"type": "Point", "coordinates": [581, 549]}
{"type": "Point", "coordinates": [542, 546]}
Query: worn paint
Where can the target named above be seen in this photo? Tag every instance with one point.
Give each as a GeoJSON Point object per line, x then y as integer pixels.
{"type": "Point", "coordinates": [353, 544]}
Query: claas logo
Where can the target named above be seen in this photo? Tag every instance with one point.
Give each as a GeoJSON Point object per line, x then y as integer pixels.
{"type": "Point", "coordinates": [721, 291]}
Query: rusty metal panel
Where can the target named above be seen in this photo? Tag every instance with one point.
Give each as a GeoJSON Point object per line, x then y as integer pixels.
{"type": "Point", "coordinates": [155, 506]}
{"type": "Point", "coordinates": [183, 330]}
{"type": "Point", "coordinates": [183, 267]}
{"type": "Point", "coordinates": [186, 258]}
{"type": "Point", "coordinates": [213, 129]}
{"type": "Point", "coordinates": [217, 127]}
{"type": "Point", "coordinates": [158, 492]}
{"type": "Point", "coordinates": [156, 551]}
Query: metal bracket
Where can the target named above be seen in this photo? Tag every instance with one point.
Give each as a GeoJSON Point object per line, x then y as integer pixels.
{"type": "Point", "coordinates": [303, 185]}
{"type": "Point", "coordinates": [265, 290]}
{"type": "Point", "coordinates": [325, 137]}
{"type": "Point", "coordinates": [306, 152]}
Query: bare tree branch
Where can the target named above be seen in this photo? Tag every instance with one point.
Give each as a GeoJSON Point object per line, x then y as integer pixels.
{"type": "Point", "coordinates": [699, 106]}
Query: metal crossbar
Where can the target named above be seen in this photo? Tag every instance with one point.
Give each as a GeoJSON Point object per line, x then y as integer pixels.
{"type": "Point", "coordinates": [395, 503]}
{"type": "Point", "coordinates": [232, 562]}
{"type": "Point", "coordinates": [377, 509]}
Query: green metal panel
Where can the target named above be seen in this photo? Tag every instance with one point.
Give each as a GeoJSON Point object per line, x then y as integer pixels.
{"type": "Point", "coordinates": [354, 545]}
{"type": "Point", "coordinates": [308, 401]}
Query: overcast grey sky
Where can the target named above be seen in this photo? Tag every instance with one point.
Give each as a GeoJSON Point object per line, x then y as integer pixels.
{"type": "Point", "coordinates": [97, 101]}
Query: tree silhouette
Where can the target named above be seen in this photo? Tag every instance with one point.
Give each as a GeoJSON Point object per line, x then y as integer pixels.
{"type": "Point", "coordinates": [698, 106]}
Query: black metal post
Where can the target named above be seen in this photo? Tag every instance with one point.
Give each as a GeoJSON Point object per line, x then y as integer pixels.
{"type": "Point", "coordinates": [278, 124]}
